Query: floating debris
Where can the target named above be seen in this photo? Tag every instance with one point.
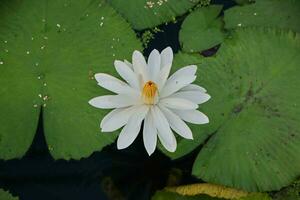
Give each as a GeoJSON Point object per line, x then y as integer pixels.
{"type": "Point", "coordinates": [45, 98]}
{"type": "Point", "coordinates": [150, 4]}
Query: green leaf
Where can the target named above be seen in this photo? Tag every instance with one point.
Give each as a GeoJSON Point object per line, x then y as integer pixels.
{"type": "Point", "coordinates": [144, 14]}
{"type": "Point", "coordinates": [254, 77]}
{"type": "Point", "coordinates": [50, 51]}
{"type": "Point", "coordinates": [165, 195]}
{"type": "Point", "coordinates": [4, 195]}
{"type": "Point", "coordinates": [202, 29]}
{"type": "Point", "coordinates": [254, 111]}
{"type": "Point", "coordinates": [283, 14]}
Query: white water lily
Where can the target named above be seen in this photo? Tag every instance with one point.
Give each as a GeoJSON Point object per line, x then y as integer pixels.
{"type": "Point", "coordinates": [147, 94]}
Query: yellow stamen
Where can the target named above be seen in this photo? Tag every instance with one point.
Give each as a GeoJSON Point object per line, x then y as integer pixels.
{"type": "Point", "coordinates": [149, 92]}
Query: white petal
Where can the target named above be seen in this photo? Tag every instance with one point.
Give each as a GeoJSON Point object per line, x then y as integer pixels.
{"type": "Point", "coordinates": [113, 84]}
{"type": "Point", "coordinates": [194, 96]}
{"type": "Point", "coordinates": [166, 57]}
{"type": "Point", "coordinates": [189, 70]}
{"type": "Point", "coordinates": [178, 103]}
{"type": "Point", "coordinates": [127, 74]}
{"type": "Point", "coordinates": [149, 134]}
{"type": "Point", "coordinates": [114, 101]}
{"type": "Point", "coordinates": [177, 124]}
{"type": "Point", "coordinates": [165, 66]}
{"type": "Point", "coordinates": [178, 80]}
{"type": "Point", "coordinates": [154, 65]}
{"type": "Point", "coordinates": [139, 64]}
{"type": "Point", "coordinates": [128, 64]}
{"type": "Point", "coordinates": [192, 116]}
{"type": "Point", "coordinates": [165, 134]}
{"type": "Point", "coordinates": [193, 87]}
{"type": "Point", "coordinates": [163, 76]}
{"type": "Point", "coordinates": [117, 118]}
{"type": "Point", "coordinates": [132, 128]}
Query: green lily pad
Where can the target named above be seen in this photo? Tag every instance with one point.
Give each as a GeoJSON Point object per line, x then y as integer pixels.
{"type": "Point", "coordinates": [4, 195]}
{"type": "Point", "coordinates": [50, 51]}
{"type": "Point", "coordinates": [283, 14]}
{"type": "Point", "coordinates": [254, 111]}
{"type": "Point", "coordinates": [256, 146]}
{"type": "Point", "coordinates": [202, 29]}
{"type": "Point", "coordinates": [144, 14]}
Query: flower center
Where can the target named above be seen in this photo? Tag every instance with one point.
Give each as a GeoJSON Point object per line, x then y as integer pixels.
{"type": "Point", "coordinates": [149, 92]}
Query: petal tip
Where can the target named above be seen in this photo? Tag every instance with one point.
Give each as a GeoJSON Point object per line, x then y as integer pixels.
{"type": "Point", "coordinates": [150, 152]}
{"type": "Point", "coordinates": [91, 102]}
